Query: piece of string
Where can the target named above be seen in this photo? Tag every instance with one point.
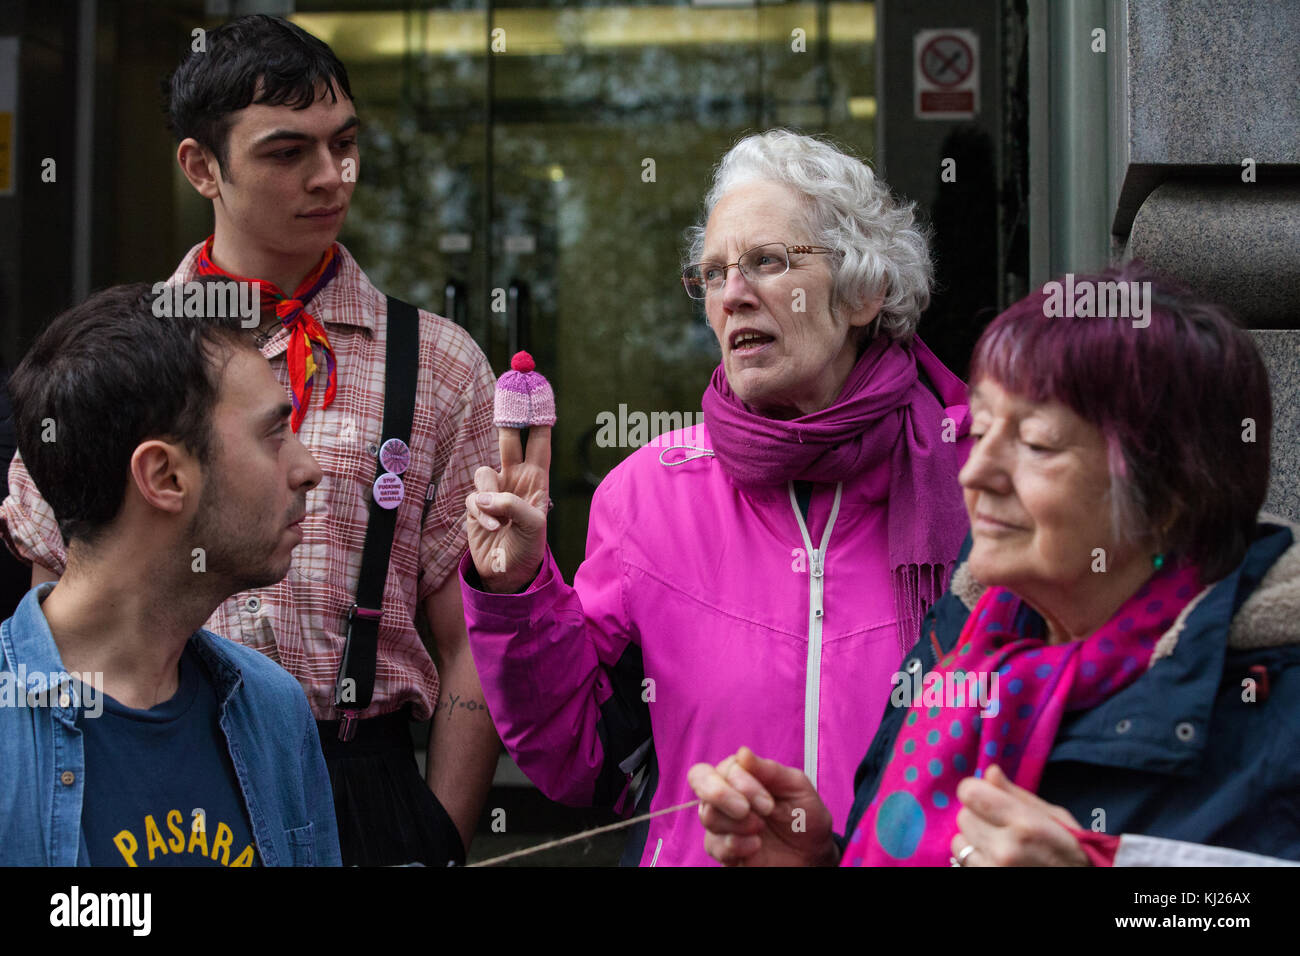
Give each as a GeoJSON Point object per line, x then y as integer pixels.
{"type": "Point", "coordinates": [608, 828]}
{"type": "Point", "coordinates": [699, 453]}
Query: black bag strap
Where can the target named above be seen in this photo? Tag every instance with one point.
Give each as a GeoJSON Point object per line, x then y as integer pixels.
{"type": "Point", "coordinates": [356, 678]}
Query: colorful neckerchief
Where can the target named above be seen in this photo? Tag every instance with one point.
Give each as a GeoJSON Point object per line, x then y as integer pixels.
{"type": "Point", "coordinates": [1028, 686]}
{"type": "Point", "coordinates": [304, 329]}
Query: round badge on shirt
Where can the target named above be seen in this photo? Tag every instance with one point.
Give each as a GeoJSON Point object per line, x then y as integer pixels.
{"type": "Point", "coordinates": [395, 455]}
{"type": "Point", "coordinates": [388, 491]}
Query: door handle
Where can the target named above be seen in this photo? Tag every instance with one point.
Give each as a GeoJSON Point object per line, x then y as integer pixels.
{"type": "Point", "coordinates": [454, 305]}
{"type": "Point", "coordinates": [518, 317]}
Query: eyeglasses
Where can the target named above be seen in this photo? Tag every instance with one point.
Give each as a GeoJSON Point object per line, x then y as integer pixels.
{"type": "Point", "coordinates": [759, 264]}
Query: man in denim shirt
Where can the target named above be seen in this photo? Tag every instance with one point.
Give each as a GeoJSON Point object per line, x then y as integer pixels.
{"type": "Point", "coordinates": [129, 735]}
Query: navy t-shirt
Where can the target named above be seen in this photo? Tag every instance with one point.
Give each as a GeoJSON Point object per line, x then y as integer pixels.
{"type": "Point", "coordinates": [160, 787]}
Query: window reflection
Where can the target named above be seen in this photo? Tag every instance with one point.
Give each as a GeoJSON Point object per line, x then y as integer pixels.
{"type": "Point", "coordinates": [528, 166]}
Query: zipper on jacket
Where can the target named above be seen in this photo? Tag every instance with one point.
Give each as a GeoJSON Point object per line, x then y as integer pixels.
{"type": "Point", "coordinates": [816, 612]}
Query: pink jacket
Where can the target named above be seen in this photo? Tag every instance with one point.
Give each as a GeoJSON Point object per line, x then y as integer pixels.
{"type": "Point", "coordinates": [702, 619]}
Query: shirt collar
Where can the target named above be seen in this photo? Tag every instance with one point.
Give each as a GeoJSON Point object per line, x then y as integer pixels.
{"type": "Point", "coordinates": [28, 643]}
{"type": "Point", "coordinates": [221, 664]}
{"type": "Point", "coordinates": [348, 299]}
{"type": "Point", "coordinates": [27, 640]}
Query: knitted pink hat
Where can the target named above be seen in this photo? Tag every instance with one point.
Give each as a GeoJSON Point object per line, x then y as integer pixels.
{"type": "Point", "coordinates": [524, 397]}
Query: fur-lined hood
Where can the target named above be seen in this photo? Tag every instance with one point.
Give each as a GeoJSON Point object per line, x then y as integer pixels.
{"type": "Point", "coordinates": [1270, 617]}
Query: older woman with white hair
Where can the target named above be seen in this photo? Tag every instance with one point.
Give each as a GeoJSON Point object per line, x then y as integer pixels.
{"type": "Point", "coordinates": [754, 580]}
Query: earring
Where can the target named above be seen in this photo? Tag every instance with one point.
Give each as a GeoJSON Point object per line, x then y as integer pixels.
{"type": "Point", "coordinates": [1158, 559]}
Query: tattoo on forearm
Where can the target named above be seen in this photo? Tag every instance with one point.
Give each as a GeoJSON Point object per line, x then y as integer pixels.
{"type": "Point", "coordinates": [451, 702]}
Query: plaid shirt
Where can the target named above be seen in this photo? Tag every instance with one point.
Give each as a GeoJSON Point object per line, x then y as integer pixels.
{"type": "Point", "coordinates": [301, 621]}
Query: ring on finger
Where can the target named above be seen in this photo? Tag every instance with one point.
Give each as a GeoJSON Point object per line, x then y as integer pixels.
{"type": "Point", "coordinates": [966, 851]}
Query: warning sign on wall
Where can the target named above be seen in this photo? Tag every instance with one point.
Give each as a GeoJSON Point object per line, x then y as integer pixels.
{"type": "Point", "coordinates": [8, 110]}
{"type": "Point", "coordinates": [946, 74]}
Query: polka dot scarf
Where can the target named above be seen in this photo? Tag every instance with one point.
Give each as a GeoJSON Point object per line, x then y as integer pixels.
{"type": "Point", "coordinates": [951, 732]}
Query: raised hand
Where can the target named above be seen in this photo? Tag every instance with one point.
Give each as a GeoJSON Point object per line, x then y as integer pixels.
{"type": "Point", "coordinates": [505, 517]}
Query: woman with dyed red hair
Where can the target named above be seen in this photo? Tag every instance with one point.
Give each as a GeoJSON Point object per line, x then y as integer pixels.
{"type": "Point", "coordinates": [1118, 590]}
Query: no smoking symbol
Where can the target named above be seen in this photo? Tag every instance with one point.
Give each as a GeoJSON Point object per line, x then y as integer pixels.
{"type": "Point", "coordinates": [946, 60]}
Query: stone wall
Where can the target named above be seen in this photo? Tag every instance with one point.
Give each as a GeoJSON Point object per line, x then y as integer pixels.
{"type": "Point", "coordinates": [1207, 85]}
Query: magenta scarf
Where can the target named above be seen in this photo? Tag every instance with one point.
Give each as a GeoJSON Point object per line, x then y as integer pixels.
{"type": "Point", "coordinates": [883, 417]}
{"type": "Point", "coordinates": [1030, 686]}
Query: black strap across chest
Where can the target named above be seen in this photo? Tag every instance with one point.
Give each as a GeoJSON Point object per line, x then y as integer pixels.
{"type": "Point", "coordinates": [356, 679]}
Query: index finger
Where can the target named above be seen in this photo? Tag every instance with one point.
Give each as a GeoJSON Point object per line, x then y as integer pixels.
{"type": "Point", "coordinates": [753, 791]}
{"type": "Point", "coordinates": [996, 776]}
{"type": "Point", "coordinates": [989, 803]}
{"type": "Point", "coordinates": [713, 790]}
{"type": "Point", "coordinates": [512, 448]}
{"type": "Point", "coordinates": [539, 447]}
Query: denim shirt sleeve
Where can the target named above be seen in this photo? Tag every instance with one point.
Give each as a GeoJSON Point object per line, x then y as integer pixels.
{"type": "Point", "coordinates": [319, 795]}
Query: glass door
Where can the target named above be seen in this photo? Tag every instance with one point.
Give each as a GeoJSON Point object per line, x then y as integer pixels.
{"type": "Point", "coordinates": [529, 169]}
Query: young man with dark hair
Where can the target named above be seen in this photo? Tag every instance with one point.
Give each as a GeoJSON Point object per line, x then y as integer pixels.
{"type": "Point", "coordinates": [130, 736]}
{"type": "Point", "coordinates": [267, 131]}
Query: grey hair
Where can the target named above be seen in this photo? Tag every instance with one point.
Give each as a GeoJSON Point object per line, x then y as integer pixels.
{"type": "Point", "coordinates": [881, 249]}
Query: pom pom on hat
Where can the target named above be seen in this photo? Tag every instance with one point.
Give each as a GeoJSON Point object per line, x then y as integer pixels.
{"type": "Point", "coordinates": [524, 397]}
